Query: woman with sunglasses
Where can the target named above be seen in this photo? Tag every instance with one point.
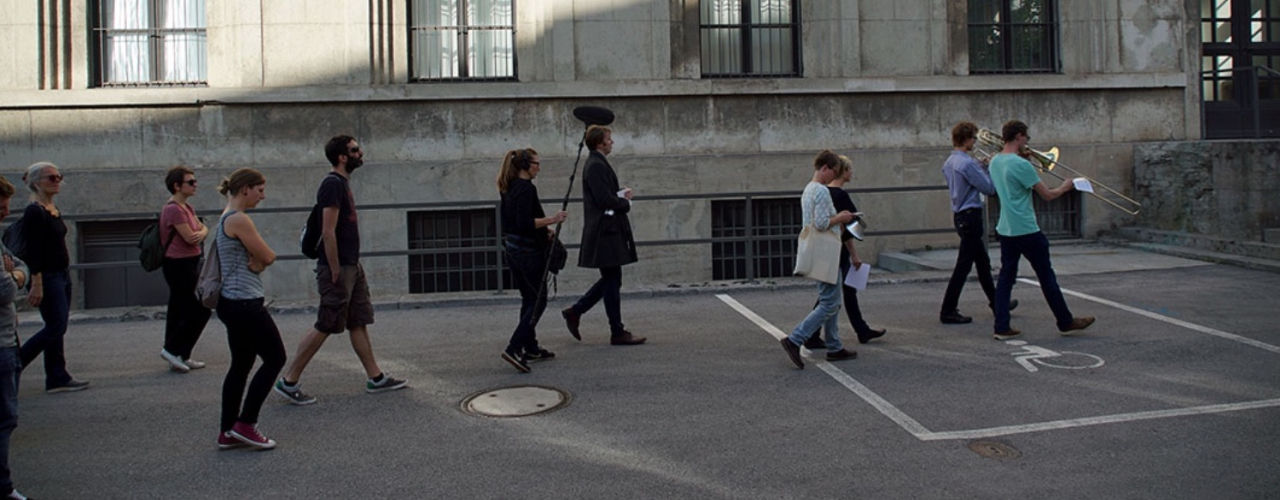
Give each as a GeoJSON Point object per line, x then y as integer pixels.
{"type": "Point", "coordinates": [44, 237]}
{"type": "Point", "coordinates": [182, 232]}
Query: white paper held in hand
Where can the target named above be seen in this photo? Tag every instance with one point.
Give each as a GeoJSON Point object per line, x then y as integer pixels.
{"type": "Point", "coordinates": [1083, 184]}
{"type": "Point", "coordinates": [857, 278]}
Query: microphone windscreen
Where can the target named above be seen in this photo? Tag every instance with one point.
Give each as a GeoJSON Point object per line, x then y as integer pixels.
{"type": "Point", "coordinates": [593, 115]}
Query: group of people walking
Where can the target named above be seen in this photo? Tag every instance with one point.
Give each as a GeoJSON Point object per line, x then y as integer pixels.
{"type": "Point", "coordinates": [529, 236]}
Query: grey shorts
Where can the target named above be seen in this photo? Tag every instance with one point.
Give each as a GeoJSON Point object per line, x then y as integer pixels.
{"type": "Point", "coordinates": [343, 305]}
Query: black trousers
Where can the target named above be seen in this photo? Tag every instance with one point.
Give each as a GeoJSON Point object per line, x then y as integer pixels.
{"type": "Point", "coordinates": [251, 333]}
{"type": "Point", "coordinates": [609, 289]}
{"type": "Point", "coordinates": [186, 317]}
{"type": "Point", "coordinates": [973, 252]}
{"type": "Point", "coordinates": [527, 266]}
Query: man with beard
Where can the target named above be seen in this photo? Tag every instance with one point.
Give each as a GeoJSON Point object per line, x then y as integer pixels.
{"type": "Point", "coordinates": [344, 293]}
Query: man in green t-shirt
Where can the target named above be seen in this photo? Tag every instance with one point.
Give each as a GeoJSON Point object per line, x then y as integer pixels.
{"type": "Point", "coordinates": [1015, 179]}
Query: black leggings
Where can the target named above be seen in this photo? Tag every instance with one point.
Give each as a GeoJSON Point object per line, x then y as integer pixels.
{"type": "Point", "coordinates": [251, 333]}
{"type": "Point", "coordinates": [186, 317]}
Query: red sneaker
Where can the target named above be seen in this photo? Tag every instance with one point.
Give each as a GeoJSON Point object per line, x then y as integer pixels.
{"type": "Point", "coordinates": [248, 433]}
{"type": "Point", "coordinates": [226, 442]}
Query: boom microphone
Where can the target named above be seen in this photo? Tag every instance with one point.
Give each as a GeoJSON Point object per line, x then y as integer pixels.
{"type": "Point", "coordinates": [593, 115]}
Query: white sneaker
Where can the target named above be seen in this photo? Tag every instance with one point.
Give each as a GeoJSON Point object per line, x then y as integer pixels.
{"type": "Point", "coordinates": [175, 363]}
{"type": "Point", "coordinates": [14, 495]}
{"type": "Point", "coordinates": [193, 364]}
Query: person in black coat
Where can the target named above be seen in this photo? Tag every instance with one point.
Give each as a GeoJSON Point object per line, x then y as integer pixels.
{"type": "Point", "coordinates": [607, 243]}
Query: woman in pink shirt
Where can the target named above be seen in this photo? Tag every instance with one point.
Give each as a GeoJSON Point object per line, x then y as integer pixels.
{"type": "Point", "coordinates": [183, 233]}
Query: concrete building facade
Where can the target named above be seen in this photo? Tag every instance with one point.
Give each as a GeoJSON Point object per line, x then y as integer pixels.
{"type": "Point", "coordinates": [264, 84]}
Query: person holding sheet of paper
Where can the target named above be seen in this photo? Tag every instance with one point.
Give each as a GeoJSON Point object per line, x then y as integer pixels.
{"type": "Point", "coordinates": [849, 259]}
{"type": "Point", "coordinates": [1015, 180]}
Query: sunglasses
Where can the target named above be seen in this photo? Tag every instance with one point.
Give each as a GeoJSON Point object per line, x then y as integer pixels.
{"type": "Point", "coordinates": [354, 150]}
{"type": "Point", "coordinates": [191, 182]}
{"type": "Point", "coordinates": [54, 177]}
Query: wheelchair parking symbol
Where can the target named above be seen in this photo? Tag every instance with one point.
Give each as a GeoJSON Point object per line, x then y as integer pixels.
{"type": "Point", "coordinates": [1030, 356]}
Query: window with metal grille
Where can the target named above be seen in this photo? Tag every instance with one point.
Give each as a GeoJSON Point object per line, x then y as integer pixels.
{"type": "Point", "coordinates": [1058, 219]}
{"type": "Point", "coordinates": [117, 241]}
{"type": "Point", "coordinates": [463, 251]}
{"type": "Point", "coordinates": [1240, 68]}
{"type": "Point", "coordinates": [1013, 36]}
{"type": "Point", "coordinates": [749, 38]}
{"type": "Point", "coordinates": [759, 238]}
{"type": "Point", "coordinates": [462, 40]}
{"type": "Point", "coordinates": [149, 42]}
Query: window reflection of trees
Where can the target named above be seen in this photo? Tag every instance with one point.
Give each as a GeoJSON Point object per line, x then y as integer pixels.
{"type": "Point", "coordinates": [463, 39]}
{"type": "Point", "coordinates": [756, 37]}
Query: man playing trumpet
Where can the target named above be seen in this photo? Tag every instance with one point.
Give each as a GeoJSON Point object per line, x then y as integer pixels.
{"type": "Point", "coordinates": [1015, 179]}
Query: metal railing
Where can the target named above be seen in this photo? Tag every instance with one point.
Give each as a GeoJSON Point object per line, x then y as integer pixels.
{"type": "Point", "coordinates": [495, 205]}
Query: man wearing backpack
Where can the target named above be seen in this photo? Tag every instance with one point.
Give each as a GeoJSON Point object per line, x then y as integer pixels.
{"type": "Point", "coordinates": [344, 294]}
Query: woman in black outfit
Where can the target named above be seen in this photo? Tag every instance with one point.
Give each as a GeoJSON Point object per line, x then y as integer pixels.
{"type": "Point", "coordinates": [527, 236]}
{"type": "Point", "coordinates": [44, 237]}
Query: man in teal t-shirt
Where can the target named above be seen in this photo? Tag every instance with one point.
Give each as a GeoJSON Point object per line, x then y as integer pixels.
{"type": "Point", "coordinates": [1015, 179]}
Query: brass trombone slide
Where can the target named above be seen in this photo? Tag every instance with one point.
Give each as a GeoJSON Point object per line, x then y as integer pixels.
{"type": "Point", "coordinates": [1046, 161]}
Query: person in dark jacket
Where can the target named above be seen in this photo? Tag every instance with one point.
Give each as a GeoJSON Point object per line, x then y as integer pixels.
{"type": "Point", "coordinates": [607, 243]}
{"type": "Point", "coordinates": [527, 232]}
{"type": "Point", "coordinates": [45, 240]}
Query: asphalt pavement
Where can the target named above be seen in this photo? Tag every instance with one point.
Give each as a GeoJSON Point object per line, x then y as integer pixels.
{"type": "Point", "coordinates": [1174, 393]}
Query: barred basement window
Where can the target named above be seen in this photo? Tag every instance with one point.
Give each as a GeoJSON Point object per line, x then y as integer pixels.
{"type": "Point", "coordinates": [1013, 36]}
{"type": "Point", "coordinates": [149, 42]}
{"type": "Point", "coordinates": [766, 231]}
{"type": "Point", "coordinates": [1058, 219]}
{"type": "Point", "coordinates": [462, 40]}
{"type": "Point", "coordinates": [752, 38]}
{"type": "Point", "coordinates": [465, 251]}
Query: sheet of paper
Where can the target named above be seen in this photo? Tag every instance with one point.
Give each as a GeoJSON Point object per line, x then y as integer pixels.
{"type": "Point", "coordinates": [857, 278]}
{"type": "Point", "coordinates": [1083, 184]}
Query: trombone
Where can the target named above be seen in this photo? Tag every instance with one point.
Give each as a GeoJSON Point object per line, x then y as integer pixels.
{"type": "Point", "coordinates": [989, 143]}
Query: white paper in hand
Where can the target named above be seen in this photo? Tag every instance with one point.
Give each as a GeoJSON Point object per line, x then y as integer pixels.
{"type": "Point", "coordinates": [1083, 184]}
{"type": "Point", "coordinates": [857, 278]}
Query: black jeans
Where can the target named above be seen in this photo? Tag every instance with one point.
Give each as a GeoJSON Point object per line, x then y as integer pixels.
{"type": "Point", "coordinates": [251, 333]}
{"type": "Point", "coordinates": [55, 310]}
{"type": "Point", "coordinates": [609, 288]}
{"type": "Point", "coordinates": [527, 266]}
{"type": "Point", "coordinates": [973, 251]}
{"type": "Point", "coordinates": [186, 317]}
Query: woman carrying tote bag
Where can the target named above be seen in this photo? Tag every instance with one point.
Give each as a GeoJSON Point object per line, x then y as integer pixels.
{"type": "Point", "coordinates": [818, 258]}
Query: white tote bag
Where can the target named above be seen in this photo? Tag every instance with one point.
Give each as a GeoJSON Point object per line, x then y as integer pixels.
{"type": "Point", "coordinates": [818, 255]}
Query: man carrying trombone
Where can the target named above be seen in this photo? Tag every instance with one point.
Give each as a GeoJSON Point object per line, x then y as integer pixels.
{"type": "Point", "coordinates": [967, 180]}
{"type": "Point", "coordinates": [1015, 179]}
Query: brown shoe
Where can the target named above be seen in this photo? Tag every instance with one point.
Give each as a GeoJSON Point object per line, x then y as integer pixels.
{"type": "Point", "coordinates": [793, 352]}
{"type": "Point", "coordinates": [841, 355]}
{"type": "Point", "coordinates": [571, 319]}
{"type": "Point", "coordinates": [1007, 334]}
{"type": "Point", "coordinates": [1078, 324]}
{"type": "Point", "coordinates": [626, 338]}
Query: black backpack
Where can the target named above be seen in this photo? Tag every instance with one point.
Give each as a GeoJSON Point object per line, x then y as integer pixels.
{"type": "Point", "coordinates": [13, 239]}
{"type": "Point", "coordinates": [310, 238]}
{"type": "Point", "coordinates": [150, 251]}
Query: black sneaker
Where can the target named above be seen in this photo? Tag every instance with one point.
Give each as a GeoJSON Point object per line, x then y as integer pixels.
{"type": "Point", "coordinates": [539, 354]}
{"type": "Point", "coordinates": [793, 352]}
{"type": "Point", "coordinates": [954, 318]}
{"type": "Point", "coordinates": [294, 394]}
{"type": "Point", "coordinates": [517, 360]}
{"type": "Point", "coordinates": [72, 385]}
{"type": "Point", "coordinates": [388, 383]}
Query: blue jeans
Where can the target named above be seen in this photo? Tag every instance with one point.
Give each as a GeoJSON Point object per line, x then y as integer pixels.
{"type": "Point", "coordinates": [1035, 247]}
{"type": "Point", "coordinates": [10, 369]}
{"type": "Point", "coordinates": [825, 316]}
{"type": "Point", "coordinates": [55, 309]}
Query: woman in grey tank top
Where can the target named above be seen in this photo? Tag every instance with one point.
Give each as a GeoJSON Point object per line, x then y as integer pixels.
{"type": "Point", "coordinates": [251, 333]}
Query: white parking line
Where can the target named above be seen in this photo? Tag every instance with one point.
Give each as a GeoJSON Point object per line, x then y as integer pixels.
{"type": "Point", "coordinates": [1190, 326]}
{"type": "Point", "coordinates": [924, 434]}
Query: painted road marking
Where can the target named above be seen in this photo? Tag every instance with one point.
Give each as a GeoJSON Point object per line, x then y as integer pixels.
{"type": "Point", "coordinates": [1031, 355]}
{"type": "Point", "coordinates": [924, 434]}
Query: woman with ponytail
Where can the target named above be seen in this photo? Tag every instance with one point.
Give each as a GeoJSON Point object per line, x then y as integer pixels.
{"type": "Point", "coordinates": [251, 333]}
{"type": "Point", "coordinates": [527, 237]}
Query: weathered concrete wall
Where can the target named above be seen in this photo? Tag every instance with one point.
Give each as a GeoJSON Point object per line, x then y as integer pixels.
{"type": "Point", "coordinates": [1219, 188]}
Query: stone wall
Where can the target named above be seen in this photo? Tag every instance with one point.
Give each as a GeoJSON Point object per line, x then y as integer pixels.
{"type": "Point", "coordinates": [1221, 188]}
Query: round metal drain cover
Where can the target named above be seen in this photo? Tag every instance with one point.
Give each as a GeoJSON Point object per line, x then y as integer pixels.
{"type": "Point", "coordinates": [518, 401]}
{"type": "Point", "coordinates": [994, 449]}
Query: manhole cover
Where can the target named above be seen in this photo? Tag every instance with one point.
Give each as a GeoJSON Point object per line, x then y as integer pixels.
{"type": "Point", "coordinates": [994, 449]}
{"type": "Point", "coordinates": [518, 401]}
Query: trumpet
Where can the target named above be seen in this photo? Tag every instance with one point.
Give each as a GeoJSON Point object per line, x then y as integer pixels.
{"type": "Point", "coordinates": [989, 143]}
